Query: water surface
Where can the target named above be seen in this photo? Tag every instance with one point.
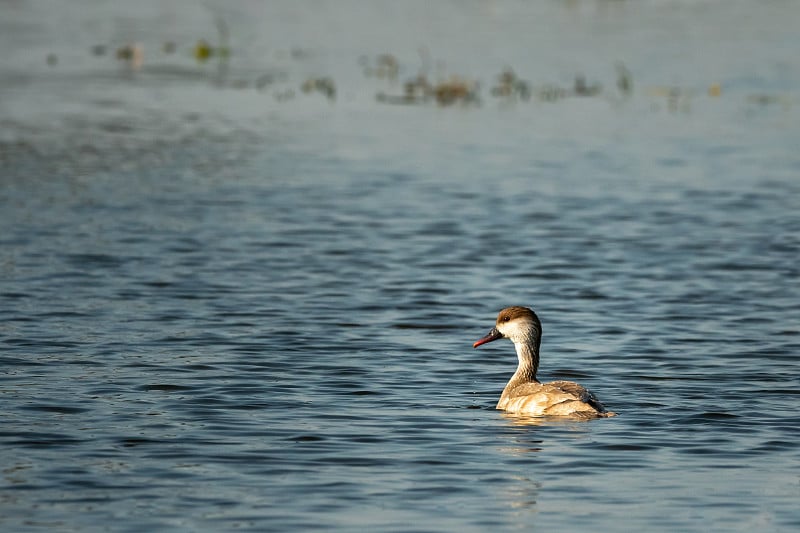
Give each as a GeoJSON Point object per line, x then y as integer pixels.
{"type": "Point", "coordinates": [231, 305]}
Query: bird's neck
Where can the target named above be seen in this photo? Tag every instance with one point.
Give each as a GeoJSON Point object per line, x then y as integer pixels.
{"type": "Point", "coordinates": [528, 355]}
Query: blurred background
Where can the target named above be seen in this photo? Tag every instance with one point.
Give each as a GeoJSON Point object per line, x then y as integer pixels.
{"type": "Point", "coordinates": [246, 247]}
{"type": "Point", "coordinates": [109, 74]}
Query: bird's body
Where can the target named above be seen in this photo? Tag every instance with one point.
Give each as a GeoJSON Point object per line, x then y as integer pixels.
{"type": "Point", "coordinates": [524, 394]}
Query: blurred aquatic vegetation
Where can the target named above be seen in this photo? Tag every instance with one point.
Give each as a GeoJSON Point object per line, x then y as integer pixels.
{"type": "Point", "coordinates": [415, 91]}
{"type": "Point", "coordinates": [624, 79]}
{"type": "Point", "coordinates": [202, 51]}
{"type": "Point", "coordinates": [677, 98]}
{"type": "Point", "coordinates": [419, 90]}
{"type": "Point", "coordinates": [581, 88]}
{"type": "Point", "coordinates": [456, 90]}
{"type": "Point", "coordinates": [418, 87]}
{"type": "Point", "coordinates": [132, 55]}
{"type": "Point", "coordinates": [509, 85]}
{"type": "Point", "coordinates": [323, 85]}
{"type": "Point", "coordinates": [551, 93]}
{"type": "Point", "coordinates": [385, 66]}
{"type": "Point", "coordinates": [762, 99]}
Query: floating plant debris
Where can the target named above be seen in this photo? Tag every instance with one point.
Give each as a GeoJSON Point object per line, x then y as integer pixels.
{"type": "Point", "coordinates": [323, 85]}
{"type": "Point", "coordinates": [202, 51]}
{"type": "Point", "coordinates": [386, 66]}
{"type": "Point", "coordinates": [624, 79]}
{"type": "Point", "coordinates": [416, 90]}
{"type": "Point", "coordinates": [454, 90]}
{"type": "Point", "coordinates": [131, 54]}
{"type": "Point", "coordinates": [509, 85]}
{"type": "Point", "coordinates": [581, 88]}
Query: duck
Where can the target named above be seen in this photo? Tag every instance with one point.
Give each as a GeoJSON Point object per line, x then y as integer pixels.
{"type": "Point", "coordinates": [526, 395]}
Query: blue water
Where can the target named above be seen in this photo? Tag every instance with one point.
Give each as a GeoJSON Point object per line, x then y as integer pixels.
{"type": "Point", "coordinates": [230, 306]}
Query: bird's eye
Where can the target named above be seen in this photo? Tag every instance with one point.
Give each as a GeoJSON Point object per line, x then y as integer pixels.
{"type": "Point", "coordinates": [506, 318]}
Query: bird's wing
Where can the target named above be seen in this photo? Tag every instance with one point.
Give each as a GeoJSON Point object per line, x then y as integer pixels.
{"type": "Point", "coordinates": [578, 391]}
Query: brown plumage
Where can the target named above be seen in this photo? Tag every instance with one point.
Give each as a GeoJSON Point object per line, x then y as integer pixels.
{"type": "Point", "coordinates": [524, 394]}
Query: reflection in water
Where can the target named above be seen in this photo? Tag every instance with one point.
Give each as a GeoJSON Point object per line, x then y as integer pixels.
{"type": "Point", "coordinates": [524, 439]}
{"type": "Point", "coordinates": [576, 422]}
{"type": "Point", "coordinates": [521, 447]}
{"type": "Point", "coordinates": [524, 493]}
